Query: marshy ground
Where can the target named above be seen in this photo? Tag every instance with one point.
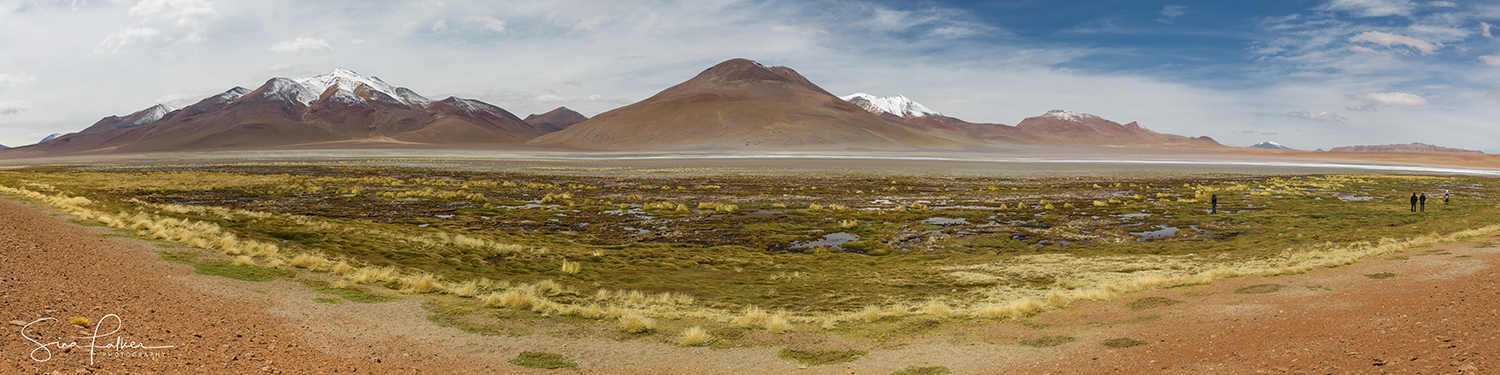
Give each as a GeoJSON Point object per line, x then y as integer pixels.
{"type": "Point", "coordinates": [751, 257]}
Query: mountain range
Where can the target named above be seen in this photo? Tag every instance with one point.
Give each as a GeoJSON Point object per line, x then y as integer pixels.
{"type": "Point", "coordinates": [736, 104]}
{"type": "Point", "coordinates": [1412, 147]}
{"type": "Point", "coordinates": [340, 108]}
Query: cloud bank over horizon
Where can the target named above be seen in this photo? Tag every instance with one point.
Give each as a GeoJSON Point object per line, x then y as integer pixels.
{"type": "Point", "coordinates": [1308, 75]}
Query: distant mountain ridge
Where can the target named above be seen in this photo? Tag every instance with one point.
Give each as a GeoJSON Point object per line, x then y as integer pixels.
{"type": "Point", "coordinates": [341, 106]}
{"type": "Point", "coordinates": [1054, 127]}
{"type": "Point", "coordinates": [557, 119]}
{"type": "Point", "coordinates": [1410, 147]}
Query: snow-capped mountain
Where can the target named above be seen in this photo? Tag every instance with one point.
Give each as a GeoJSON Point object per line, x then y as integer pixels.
{"type": "Point", "coordinates": [1269, 145]}
{"type": "Point", "coordinates": [1067, 115]}
{"type": "Point", "coordinates": [898, 105]}
{"type": "Point", "coordinates": [340, 106]}
{"type": "Point", "coordinates": [50, 137]}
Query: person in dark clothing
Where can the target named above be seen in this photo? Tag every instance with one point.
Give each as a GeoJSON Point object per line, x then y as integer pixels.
{"type": "Point", "coordinates": [1445, 198]}
{"type": "Point", "coordinates": [1214, 200]}
{"type": "Point", "coordinates": [1423, 202]}
{"type": "Point", "coordinates": [1413, 202]}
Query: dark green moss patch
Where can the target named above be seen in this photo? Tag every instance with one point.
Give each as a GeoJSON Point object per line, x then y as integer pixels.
{"type": "Point", "coordinates": [1260, 289]}
{"type": "Point", "coordinates": [1151, 303]}
{"type": "Point", "coordinates": [1048, 341]}
{"type": "Point", "coordinates": [1123, 342]}
{"type": "Point", "coordinates": [820, 357]}
{"type": "Point", "coordinates": [543, 360]}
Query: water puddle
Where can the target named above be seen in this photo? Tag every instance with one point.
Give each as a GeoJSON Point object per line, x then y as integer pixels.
{"type": "Point", "coordinates": [1201, 231]}
{"type": "Point", "coordinates": [1162, 232]}
{"type": "Point", "coordinates": [1132, 216]}
{"type": "Point", "coordinates": [443, 216]}
{"type": "Point", "coordinates": [637, 230]}
{"type": "Point", "coordinates": [1351, 197]}
{"type": "Point", "coordinates": [945, 222]}
{"type": "Point", "coordinates": [831, 241]}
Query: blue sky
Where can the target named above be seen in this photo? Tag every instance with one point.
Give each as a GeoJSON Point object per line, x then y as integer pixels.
{"type": "Point", "coordinates": [1305, 73]}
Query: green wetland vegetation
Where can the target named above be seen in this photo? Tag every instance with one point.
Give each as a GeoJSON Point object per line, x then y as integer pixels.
{"type": "Point", "coordinates": [718, 257]}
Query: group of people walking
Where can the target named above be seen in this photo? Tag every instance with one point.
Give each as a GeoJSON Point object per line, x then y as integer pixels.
{"type": "Point", "coordinates": [1419, 201]}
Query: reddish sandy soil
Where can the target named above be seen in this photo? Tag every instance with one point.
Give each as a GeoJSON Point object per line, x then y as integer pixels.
{"type": "Point", "coordinates": [1437, 314]}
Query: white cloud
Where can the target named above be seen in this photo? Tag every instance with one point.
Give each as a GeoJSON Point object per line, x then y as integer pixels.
{"type": "Point", "coordinates": [489, 23]}
{"type": "Point", "coordinates": [1363, 49]}
{"type": "Point", "coordinates": [126, 36]}
{"type": "Point", "coordinates": [13, 80]}
{"type": "Point", "coordinates": [1169, 13]}
{"type": "Point", "coordinates": [1328, 117]}
{"type": "Point", "coordinates": [183, 12]}
{"type": "Point", "coordinates": [797, 30]}
{"type": "Point", "coordinates": [954, 32]}
{"type": "Point", "coordinates": [440, 26]}
{"type": "Point", "coordinates": [1442, 4]}
{"type": "Point", "coordinates": [1485, 29]}
{"type": "Point", "coordinates": [514, 97]}
{"type": "Point", "coordinates": [1371, 8]}
{"type": "Point", "coordinates": [1376, 101]}
{"type": "Point", "coordinates": [301, 45]}
{"type": "Point", "coordinates": [1490, 60]}
{"type": "Point", "coordinates": [11, 108]}
{"type": "Point", "coordinates": [1388, 40]}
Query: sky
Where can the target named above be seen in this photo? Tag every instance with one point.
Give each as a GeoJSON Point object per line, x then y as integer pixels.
{"type": "Point", "coordinates": [1307, 74]}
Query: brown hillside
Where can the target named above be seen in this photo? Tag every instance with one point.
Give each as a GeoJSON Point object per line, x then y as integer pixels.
{"type": "Point", "coordinates": [742, 104]}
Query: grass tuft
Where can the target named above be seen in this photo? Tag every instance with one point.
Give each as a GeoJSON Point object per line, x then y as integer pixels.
{"type": "Point", "coordinates": [1151, 303]}
{"type": "Point", "coordinates": [1123, 342]}
{"type": "Point", "coordinates": [542, 360]}
{"type": "Point", "coordinates": [1382, 275]}
{"type": "Point", "coordinates": [1048, 341]}
{"type": "Point", "coordinates": [1260, 289]}
{"type": "Point", "coordinates": [820, 357]}
{"type": "Point", "coordinates": [695, 336]}
{"type": "Point", "coordinates": [930, 370]}
{"type": "Point", "coordinates": [634, 323]}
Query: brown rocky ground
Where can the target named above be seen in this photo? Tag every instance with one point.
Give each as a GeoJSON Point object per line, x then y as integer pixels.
{"type": "Point", "coordinates": [1437, 314]}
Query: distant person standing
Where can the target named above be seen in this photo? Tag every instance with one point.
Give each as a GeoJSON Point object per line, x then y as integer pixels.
{"type": "Point", "coordinates": [1445, 197]}
{"type": "Point", "coordinates": [1214, 201]}
{"type": "Point", "coordinates": [1414, 202]}
{"type": "Point", "coordinates": [1423, 201]}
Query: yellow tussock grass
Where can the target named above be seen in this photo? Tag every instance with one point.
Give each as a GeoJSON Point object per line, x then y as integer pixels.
{"type": "Point", "coordinates": [938, 309]}
{"type": "Point", "coordinates": [634, 323]}
{"type": "Point", "coordinates": [778, 323]}
{"type": "Point", "coordinates": [571, 267]}
{"type": "Point", "coordinates": [465, 289]}
{"type": "Point", "coordinates": [753, 317]}
{"type": "Point", "coordinates": [243, 260]}
{"type": "Point", "coordinates": [868, 314]}
{"type": "Point", "coordinates": [421, 283]}
{"type": "Point", "coordinates": [695, 336]}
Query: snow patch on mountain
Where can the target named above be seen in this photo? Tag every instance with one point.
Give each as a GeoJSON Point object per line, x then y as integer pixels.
{"type": "Point", "coordinates": [50, 137]}
{"type": "Point", "coordinates": [1069, 115]}
{"type": "Point", "coordinates": [1269, 145]}
{"type": "Point", "coordinates": [896, 105]}
{"type": "Point", "coordinates": [289, 90]}
{"type": "Point", "coordinates": [411, 97]}
{"type": "Point", "coordinates": [149, 115]}
{"type": "Point", "coordinates": [346, 80]}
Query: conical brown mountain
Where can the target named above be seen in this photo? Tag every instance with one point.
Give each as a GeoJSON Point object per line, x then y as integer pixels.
{"type": "Point", "coordinates": [741, 104]}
